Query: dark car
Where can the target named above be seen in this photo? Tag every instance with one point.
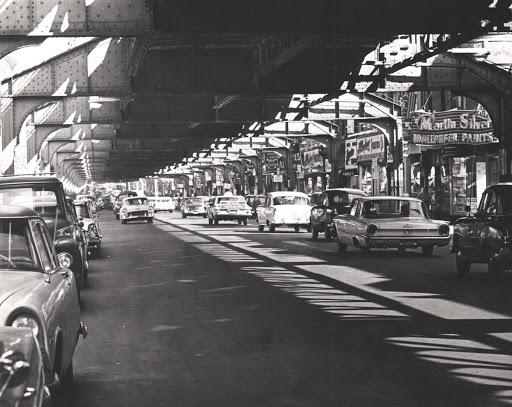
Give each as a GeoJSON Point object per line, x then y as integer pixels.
{"type": "Point", "coordinates": [254, 201]}
{"type": "Point", "coordinates": [485, 237]}
{"type": "Point", "coordinates": [45, 196]}
{"type": "Point", "coordinates": [330, 203]}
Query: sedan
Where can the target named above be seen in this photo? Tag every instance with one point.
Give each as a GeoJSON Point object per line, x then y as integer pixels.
{"type": "Point", "coordinates": [390, 222]}
{"type": "Point", "coordinates": [284, 208]}
{"type": "Point", "coordinates": [37, 292]}
{"type": "Point", "coordinates": [136, 208]}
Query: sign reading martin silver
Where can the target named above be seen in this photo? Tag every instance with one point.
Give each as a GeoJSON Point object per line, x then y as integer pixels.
{"type": "Point", "coordinates": [452, 127]}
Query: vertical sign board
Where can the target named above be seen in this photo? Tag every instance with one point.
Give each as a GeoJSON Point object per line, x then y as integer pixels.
{"type": "Point", "coordinates": [351, 154]}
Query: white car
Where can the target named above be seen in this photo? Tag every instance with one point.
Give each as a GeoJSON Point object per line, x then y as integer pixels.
{"type": "Point", "coordinates": [284, 208]}
{"type": "Point", "coordinates": [162, 203]}
{"type": "Point", "coordinates": [136, 208]}
{"type": "Point", "coordinates": [91, 225]}
{"type": "Point", "coordinates": [228, 207]}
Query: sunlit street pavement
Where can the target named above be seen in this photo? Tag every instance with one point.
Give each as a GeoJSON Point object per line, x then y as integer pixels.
{"type": "Point", "coordinates": [181, 313]}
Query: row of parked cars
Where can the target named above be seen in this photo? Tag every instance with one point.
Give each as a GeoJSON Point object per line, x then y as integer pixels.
{"type": "Point", "coordinates": [45, 240]}
{"type": "Point", "coordinates": [354, 219]}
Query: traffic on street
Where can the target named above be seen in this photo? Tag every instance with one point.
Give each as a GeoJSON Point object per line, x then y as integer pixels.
{"type": "Point", "coordinates": [240, 317]}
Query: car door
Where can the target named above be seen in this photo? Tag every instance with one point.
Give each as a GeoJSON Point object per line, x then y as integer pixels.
{"type": "Point", "coordinates": [345, 223]}
{"type": "Point", "coordinates": [62, 301]}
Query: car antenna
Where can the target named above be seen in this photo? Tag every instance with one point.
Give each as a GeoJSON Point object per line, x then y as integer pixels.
{"type": "Point", "coordinates": [55, 226]}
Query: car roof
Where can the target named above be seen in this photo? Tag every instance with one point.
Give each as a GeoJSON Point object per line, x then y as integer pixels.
{"type": "Point", "coordinates": [348, 190]}
{"type": "Point", "coordinates": [389, 198]}
{"type": "Point", "coordinates": [29, 179]}
{"type": "Point", "coordinates": [288, 193]}
{"type": "Point", "coordinates": [134, 197]}
{"type": "Point", "coordinates": [12, 211]}
{"type": "Point", "coordinates": [229, 196]}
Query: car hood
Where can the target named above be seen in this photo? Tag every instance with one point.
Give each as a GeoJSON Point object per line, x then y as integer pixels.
{"type": "Point", "coordinates": [14, 281]}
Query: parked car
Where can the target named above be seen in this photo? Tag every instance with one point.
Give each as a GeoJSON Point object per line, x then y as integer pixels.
{"type": "Point", "coordinates": [254, 201]}
{"type": "Point", "coordinates": [45, 195]}
{"type": "Point", "coordinates": [228, 207]}
{"type": "Point", "coordinates": [22, 369]}
{"type": "Point", "coordinates": [91, 225]}
{"type": "Point", "coordinates": [136, 208]}
{"type": "Point", "coordinates": [390, 222]}
{"type": "Point", "coordinates": [194, 206]}
{"type": "Point", "coordinates": [288, 208]}
{"type": "Point", "coordinates": [330, 203]}
{"type": "Point", "coordinates": [38, 291]}
{"type": "Point", "coordinates": [161, 203]}
{"type": "Point", "coordinates": [119, 200]}
{"type": "Point", "coordinates": [485, 237]}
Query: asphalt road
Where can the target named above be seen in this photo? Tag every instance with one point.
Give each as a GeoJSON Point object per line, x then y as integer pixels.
{"type": "Point", "coordinates": [185, 314]}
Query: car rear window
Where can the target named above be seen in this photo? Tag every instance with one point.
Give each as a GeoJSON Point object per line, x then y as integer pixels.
{"type": "Point", "coordinates": [393, 208]}
{"type": "Point", "coordinates": [290, 200]}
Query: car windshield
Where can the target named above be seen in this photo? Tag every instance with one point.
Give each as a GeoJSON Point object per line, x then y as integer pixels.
{"type": "Point", "coordinates": [341, 198]}
{"type": "Point", "coordinates": [393, 208]}
{"type": "Point", "coordinates": [82, 211]}
{"type": "Point", "coordinates": [15, 246]}
{"type": "Point", "coordinates": [290, 200]}
{"type": "Point", "coordinates": [136, 201]}
{"type": "Point", "coordinates": [40, 199]}
{"type": "Point", "coordinates": [194, 201]}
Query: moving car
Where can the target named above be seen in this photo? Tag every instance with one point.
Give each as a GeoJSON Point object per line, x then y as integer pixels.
{"type": "Point", "coordinates": [91, 225]}
{"type": "Point", "coordinates": [45, 195]}
{"type": "Point", "coordinates": [284, 209]}
{"type": "Point", "coordinates": [193, 207]}
{"type": "Point", "coordinates": [331, 202]}
{"type": "Point", "coordinates": [161, 203]}
{"type": "Point", "coordinates": [254, 201]}
{"type": "Point", "coordinates": [228, 207]}
{"type": "Point", "coordinates": [485, 237]}
{"type": "Point", "coordinates": [390, 222]}
{"type": "Point", "coordinates": [22, 369]}
{"type": "Point", "coordinates": [136, 208]}
{"type": "Point", "coordinates": [38, 291]}
{"type": "Point", "coordinates": [119, 200]}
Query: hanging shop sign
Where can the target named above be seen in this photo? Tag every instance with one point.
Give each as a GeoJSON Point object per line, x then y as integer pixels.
{"type": "Point", "coordinates": [451, 127]}
{"type": "Point", "coordinates": [278, 178]}
{"type": "Point", "coordinates": [351, 154]}
{"type": "Point", "coordinates": [372, 146]}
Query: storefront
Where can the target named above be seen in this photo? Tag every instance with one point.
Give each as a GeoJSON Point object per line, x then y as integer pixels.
{"type": "Point", "coordinates": [453, 157]}
{"type": "Point", "coordinates": [316, 167]}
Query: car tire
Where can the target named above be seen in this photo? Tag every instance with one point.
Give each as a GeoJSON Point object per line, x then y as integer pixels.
{"type": "Point", "coordinates": [496, 267]}
{"type": "Point", "coordinates": [342, 248]}
{"type": "Point", "coordinates": [327, 233]}
{"type": "Point", "coordinates": [183, 215]}
{"type": "Point", "coordinates": [204, 216]}
{"type": "Point", "coordinates": [123, 221]}
{"type": "Point", "coordinates": [244, 221]}
{"type": "Point", "coordinates": [427, 250]}
{"type": "Point", "coordinates": [150, 220]}
{"type": "Point", "coordinates": [462, 266]}
{"type": "Point", "coordinates": [261, 228]}
{"type": "Point", "coordinates": [314, 234]}
{"type": "Point", "coordinates": [272, 228]}
{"type": "Point", "coordinates": [296, 228]}
{"type": "Point", "coordinates": [210, 221]}
{"type": "Point", "coordinates": [215, 221]}
{"type": "Point", "coordinates": [239, 221]}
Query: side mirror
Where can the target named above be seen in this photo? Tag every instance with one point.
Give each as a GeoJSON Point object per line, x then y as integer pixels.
{"type": "Point", "coordinates": [16, 367]}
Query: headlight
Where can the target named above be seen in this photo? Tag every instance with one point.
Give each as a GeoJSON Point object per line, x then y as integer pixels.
{"type": "Point", "coordinates": [444, 230]}
{"type": "Point", "coordinates": [371, 229]}
{"type": "Point", "coordinates": [124, 210]}
{"type": "Point", "coordinates": [65, 232]}
{"type": "Point", "coordinates": [65, 260]}
{"type": "Point", "coordinates": [28, 321]}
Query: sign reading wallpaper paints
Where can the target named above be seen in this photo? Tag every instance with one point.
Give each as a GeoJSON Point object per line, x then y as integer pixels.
{"type": "Point", "coordinates": [451, 127]}
{"type": "Point", "coordinates": [369, 147]}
